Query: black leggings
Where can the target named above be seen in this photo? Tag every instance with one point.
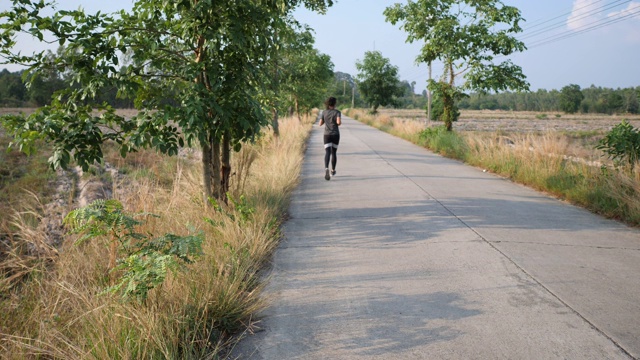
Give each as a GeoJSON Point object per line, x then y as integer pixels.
{"type": "Point", "coordinates": [330, 153]}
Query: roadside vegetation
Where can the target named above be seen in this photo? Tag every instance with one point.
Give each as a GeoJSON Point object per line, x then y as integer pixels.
{"type": "Point", "coordinates": [18, 173]}
{"type": "Point", "coordinates": [60, 308]}
{"type": "Point", "coordinates": [565, 164]}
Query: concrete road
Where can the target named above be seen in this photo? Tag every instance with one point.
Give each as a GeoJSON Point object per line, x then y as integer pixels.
{"type": "Point", "coordinates": [408, 255]}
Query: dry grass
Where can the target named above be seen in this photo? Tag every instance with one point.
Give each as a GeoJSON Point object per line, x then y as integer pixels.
{"type": "Point", "coordinates": [522, 121]}
{"type": "Point", "coordinates": [559, 159]}
{"type": "Point", "coordinates": [60, 314]}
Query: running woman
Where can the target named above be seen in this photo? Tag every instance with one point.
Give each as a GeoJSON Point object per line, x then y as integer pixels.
{"type": "Point", "coordinates": [331, 118]}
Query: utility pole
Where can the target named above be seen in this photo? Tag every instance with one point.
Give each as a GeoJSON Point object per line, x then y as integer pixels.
{"type": "Point", "coordinates": [353, 96]}
{"type": "Point", "coordinates": [429, 96]}
{"type": "Point", "coordinates": [344, 87]}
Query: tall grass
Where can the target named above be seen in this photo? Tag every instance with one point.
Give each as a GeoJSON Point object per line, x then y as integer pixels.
{"type": "Point", "coordinates": [59, 313]}
{"type": "Point", "coordinates": [546, 162]}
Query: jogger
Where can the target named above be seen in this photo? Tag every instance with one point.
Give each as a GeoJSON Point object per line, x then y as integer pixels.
{"type": "Point", "coordinates": [331, 119]}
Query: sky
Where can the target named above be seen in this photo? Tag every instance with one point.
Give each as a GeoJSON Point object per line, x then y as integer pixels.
{"type": "Point", "coordinates": [608, 56]}
{"type": "Point", "coordinates": [560, 50]}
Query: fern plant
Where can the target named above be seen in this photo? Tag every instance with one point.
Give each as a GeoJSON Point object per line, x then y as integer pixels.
{"type": "Point", "coordinates": [103, 218]}
{"type": "Point", "coordinates": [146, 261]}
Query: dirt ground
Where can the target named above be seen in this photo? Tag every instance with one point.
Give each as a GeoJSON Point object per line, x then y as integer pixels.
{"type": "Point", "coordinates": [524, 121]}
{"type": "Point", "coordinates": [489, 120]}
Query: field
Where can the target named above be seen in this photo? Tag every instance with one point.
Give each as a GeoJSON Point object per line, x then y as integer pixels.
{"type": "Point", "coordinates": [553, 154]}
{"type": "Point", "coordinates": [523, 121]}
{"type": "Point", "coordinates": [580, 132]}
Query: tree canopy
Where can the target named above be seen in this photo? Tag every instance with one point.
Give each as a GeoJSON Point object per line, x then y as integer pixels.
{"type": "Point", "coordinates": [378, 80]}
{"type": "Point", "coordinates": [195, 72]}
{"type": "Point", "coordinates": [570, 98]}
{"type": "Point", "coordinates": [466, 36]}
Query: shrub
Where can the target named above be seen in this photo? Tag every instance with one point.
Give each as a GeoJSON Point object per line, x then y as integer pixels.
{"type": "Point", "coordinates": [146, 260]}
{"type": "Point", "coordinates": [622, 144]}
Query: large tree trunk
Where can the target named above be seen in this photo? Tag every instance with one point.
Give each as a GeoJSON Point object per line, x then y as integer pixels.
{"type": "Point", "coordinates": [276, 92]}
{"type": "Point", "coordinates": [448, 100]}
{"type": "Point", "coordinates": [218, 192]}
{"type": "Point", "coordinates": [216, 169]}
{"type": "Point", "coordinates": [297, 104]}
{"type": "Point", "coordinates": [207, 171]}
{"type": "Point", "coordinates": [226, 167]}
{"type": "Point", "coordinates": [274, 122]}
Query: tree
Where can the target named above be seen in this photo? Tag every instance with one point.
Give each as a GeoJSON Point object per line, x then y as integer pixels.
{"type": "Point", "coordinates": [570, 98]}
{"type": "Point", "coordinates": [466, 35]}
{"type": "Point", "coordinates": [306, 73]}
{"type": "Point", "coordinates": [378, 80]}
{"type": "Point", "coordinates": [346, 98]}
{"type": "Point", "coordinates": [12, 90]}
{"type": "Point", "coordinates": [197, 68]}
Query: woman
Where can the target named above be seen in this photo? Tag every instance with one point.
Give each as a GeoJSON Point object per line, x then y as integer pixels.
{"type": "Point", "coordinates": [331, 119]}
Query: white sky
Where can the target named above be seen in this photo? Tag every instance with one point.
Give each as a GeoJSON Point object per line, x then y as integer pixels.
{"type": "Point", "coordinates": [608, 56]}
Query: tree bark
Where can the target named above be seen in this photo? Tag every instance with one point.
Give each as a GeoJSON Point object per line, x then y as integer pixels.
{"type": "Point", "coordinates": [207, 174]}
{"type": "Point", "coordinates": [298, 109]}
{"type": "Point", "coordinates": [274, 122]}
{"type": "Point", "coordinates": [216, 173]}
{"type": "Point", "coordinates": [226, 167]}
{"type": "Point", "coordinates": [276, 78]}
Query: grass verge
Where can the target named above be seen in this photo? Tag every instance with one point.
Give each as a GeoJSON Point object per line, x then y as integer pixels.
{"type": "Point", "coordinates": [59, 311]}
{"type": "Point", "coordinates": [544, 161]}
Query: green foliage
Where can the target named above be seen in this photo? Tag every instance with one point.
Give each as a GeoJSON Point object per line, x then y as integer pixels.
{"type": "Point", "coordinates": [344, 89]}
{"type": "Point", "coordinates": [596, 101]}
{"type": "Point", "coordinates": [378, 80]}
{"type": "Point", "coordinates": [305, 73]}
{"type": "Point", "coordinates": [238, 210]}
{"type": "Point", "coordinates": [195, 70]}
{"type": "Point", "coordinates": [102, 218]}
{"type": "Point", "coordinates": [13, 92]}
{"type": "Point", "coordinates": [20, 178]}
{"type": "Point", "coordinates": [466, 35]}
{"type": "Point", "coordinates": [444, 142]}
{"type": "Point", "coordinates": [622, 144]}
{"type": "Point", "coordinates": [444, 106]}
{"type": "Point", "coordinates": [147, 260]}
{"type": "Point", "coordinates": [570, 98]}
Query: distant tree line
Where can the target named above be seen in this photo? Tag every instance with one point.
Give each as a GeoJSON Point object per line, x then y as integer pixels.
{"type": "Point", "coordinates": [15, 93]}
{"type": "Point", "coordinates": [569, 99]}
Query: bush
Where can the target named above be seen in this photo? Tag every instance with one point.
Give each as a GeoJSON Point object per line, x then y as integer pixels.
{"type": "Point", "coordinates": [444, 142]}
{"type": "Point", "coordinates": [622, 144]}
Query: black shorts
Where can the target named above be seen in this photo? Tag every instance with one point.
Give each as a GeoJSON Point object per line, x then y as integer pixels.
{"type": "Point", "coordinates": [331, 141]}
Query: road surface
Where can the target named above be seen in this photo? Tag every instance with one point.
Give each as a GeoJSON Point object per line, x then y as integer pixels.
{"type": "Point", "coordinates": [408, 255]}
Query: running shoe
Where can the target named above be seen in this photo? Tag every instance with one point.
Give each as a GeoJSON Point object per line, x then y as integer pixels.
{"type": "Point", "coordinates": [333, 173]}
{"type": "Point", "coordinates": [327, 176]}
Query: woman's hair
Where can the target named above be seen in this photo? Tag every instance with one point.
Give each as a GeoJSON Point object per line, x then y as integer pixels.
{"type": "Point", "coordinates": [331, 102]}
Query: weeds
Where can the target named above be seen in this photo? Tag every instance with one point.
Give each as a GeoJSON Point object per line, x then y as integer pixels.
{"type": "Point", "coordinates": [546, 162]}
{"type": "Point", "coordinates": [60, 313]}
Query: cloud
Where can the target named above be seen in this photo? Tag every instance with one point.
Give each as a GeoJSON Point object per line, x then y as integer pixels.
{"type": "Point", "coordinates": [628, 22]}
{"type": "Point", "coordinates": [632, 12]}
{"type": "Point", "coordinates": [588, 14]}
{"type": "Point", "coordinates": [584, 13]}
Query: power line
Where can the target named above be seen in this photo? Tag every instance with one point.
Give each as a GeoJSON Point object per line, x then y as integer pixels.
{"type": "Point", "coordinates": [587, 28]}
{"type": "Point", "coordinates": [542, 21]}
{"type": "Point", "coordinates": [561, 24]}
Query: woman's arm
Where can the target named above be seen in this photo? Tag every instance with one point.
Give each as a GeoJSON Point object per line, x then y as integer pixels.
{"type": "Point", "coordinates": [338, 121]}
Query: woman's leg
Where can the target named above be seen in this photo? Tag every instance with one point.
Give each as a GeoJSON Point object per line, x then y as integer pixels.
{"type": "Point", "coordinates": [327, 156]}
{"type": "Point", "coordinates": [334, 158]}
